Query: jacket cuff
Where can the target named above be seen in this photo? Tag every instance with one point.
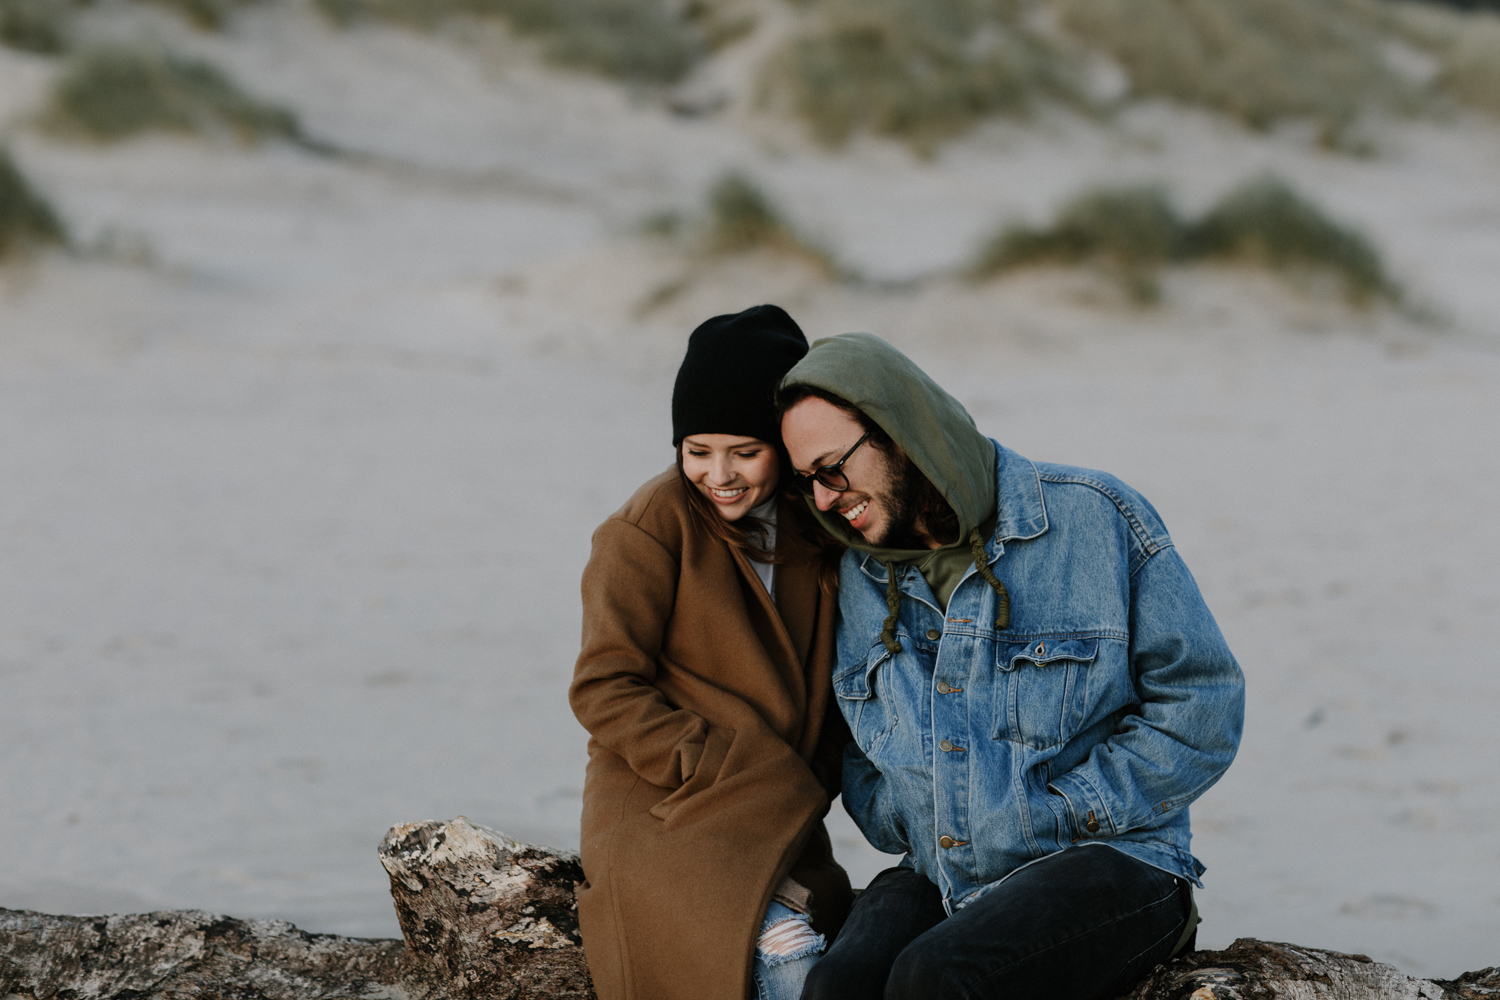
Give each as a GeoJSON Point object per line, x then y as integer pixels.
{"type": "Point", "coordinates": [1084, 805]}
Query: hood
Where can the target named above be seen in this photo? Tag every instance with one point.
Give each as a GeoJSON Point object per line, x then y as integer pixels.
{"type": "Point", "coordinates": [932, 427]}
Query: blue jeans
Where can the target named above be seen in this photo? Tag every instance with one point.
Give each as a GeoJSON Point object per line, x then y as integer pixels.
{"type": "Point", "coordinates": [780, 977]}
{"type": "Point", "coordinates": [1082, 924]}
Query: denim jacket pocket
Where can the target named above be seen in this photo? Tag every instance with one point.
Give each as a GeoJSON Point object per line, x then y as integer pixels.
{"type": "Point", "coordinates": [1041, 688]}
{"type": "Point", "coordinates": [871, 717]}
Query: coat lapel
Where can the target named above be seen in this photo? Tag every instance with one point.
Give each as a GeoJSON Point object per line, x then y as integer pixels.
{"type": "Point", "coordinates": [785, 625]}
{"type": "Point", "coordinates": [796, 583]}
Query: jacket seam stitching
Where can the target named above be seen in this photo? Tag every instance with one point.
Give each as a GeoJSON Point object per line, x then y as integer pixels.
{"type": "Point", "coordinates": [1146, 557]}
{"type": "Point", "coordinates": [1147, 540]}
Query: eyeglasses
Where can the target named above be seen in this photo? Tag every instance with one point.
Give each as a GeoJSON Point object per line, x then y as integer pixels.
{"type": "Point", "coordinates": [831, 476]}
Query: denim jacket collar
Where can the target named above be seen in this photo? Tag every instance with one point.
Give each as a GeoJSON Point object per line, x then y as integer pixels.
{"type": "Point", "coordinates": [1023, 512]}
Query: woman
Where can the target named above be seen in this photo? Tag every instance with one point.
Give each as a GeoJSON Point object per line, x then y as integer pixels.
{"type": "Point", "coordinates": [704, 684]}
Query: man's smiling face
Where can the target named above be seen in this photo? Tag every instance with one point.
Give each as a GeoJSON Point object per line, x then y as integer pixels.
{"type": "Point", "coordinates": [817, 433]}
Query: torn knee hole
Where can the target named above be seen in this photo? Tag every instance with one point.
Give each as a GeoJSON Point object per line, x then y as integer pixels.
{"type": "Point", "coordinates": [791, 937]}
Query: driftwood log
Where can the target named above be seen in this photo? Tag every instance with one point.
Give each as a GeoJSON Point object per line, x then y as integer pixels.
{"type": "Point", "coordinates": [486, 918]}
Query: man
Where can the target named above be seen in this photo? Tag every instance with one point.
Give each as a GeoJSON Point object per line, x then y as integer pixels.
{"type": "Point", "coordinates": [1035, 688]}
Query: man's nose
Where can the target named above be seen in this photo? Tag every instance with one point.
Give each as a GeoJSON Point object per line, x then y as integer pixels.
{"type": "Point", "coordinates": [823, 496]}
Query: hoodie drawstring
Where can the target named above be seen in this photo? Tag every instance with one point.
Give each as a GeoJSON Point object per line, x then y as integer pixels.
{"type": "Point", "coordinates": [893, 605]}
{"type": "Point", "coordinates": [982, 566]}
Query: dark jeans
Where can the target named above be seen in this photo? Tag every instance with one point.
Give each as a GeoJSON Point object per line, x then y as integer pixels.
{"type": "Point", "coordinates": [1083, 924]}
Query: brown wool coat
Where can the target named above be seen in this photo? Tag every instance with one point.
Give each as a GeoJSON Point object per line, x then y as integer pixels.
{"type": "Point", "coordinates": [713, 749]}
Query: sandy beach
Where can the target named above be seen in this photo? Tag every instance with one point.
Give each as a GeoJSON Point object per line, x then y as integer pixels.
{"type": "Point", "coordinates": [300, 455]}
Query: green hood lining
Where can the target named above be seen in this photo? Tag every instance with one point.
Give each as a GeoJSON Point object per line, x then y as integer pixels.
{"type": "Point", "coordinates": [935, 432]}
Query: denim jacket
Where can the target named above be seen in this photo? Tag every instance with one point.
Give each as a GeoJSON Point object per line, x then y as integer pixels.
{"type": "Point", "coordinates": [1108, 704]}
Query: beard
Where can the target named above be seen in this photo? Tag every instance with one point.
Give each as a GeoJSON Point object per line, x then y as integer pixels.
{"type": "Point", "coordinates": [914, 508]}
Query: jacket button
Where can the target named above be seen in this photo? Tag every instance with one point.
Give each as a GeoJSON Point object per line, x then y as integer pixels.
{"type": "Point", "coordinates": [943, 688]}
{"type": "Point", "coordinates": [934, 634]}
{"type": "Point", "coordinates": [1092, 826]}
{"type": "Point", "coordinates": [946, 841]}
{"type": "Point", "coordinates": [944, 745]}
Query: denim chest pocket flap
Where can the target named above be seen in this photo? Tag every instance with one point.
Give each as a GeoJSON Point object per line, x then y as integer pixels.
{"type": "Point", "coordinates": [1042, 689]}
{"type": "Point", "coordinates": [1040, 652]}
{"type": "Point", "coordinates": [871, 717]}
{"type": "Point", "coordinates": [856, 681]}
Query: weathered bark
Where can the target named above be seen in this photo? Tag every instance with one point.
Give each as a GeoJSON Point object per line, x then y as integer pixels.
{"type": "Point", "coordinates": [188, 953]}
{"type": "Point", "coordinates": [1269, 970]}
{"type": "Point", "coordinates": [486, 917]}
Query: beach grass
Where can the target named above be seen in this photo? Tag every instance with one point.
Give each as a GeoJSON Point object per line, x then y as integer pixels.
{"type": "Point", "coordinates": [1465, 44]}
{"type": "Point", "coordinates": [1259, 61]}
{"type": "Point", "coordinates": [113, 93]}
{"type": "Point", "coordinates": [37, 26]}
{"type": "Point", "coordinates": [1132, 233]}
{"type": "Point", "coordinates": [1266, 223]}
{"type": "Point", "coordinates": [1471, 65]}
{"type": "Point", "coordinates": [210, 15]}
{"type": "Point", "coordinates": [921, 71]}
{"type": "Point", "coordinates": [924, 71]}
{"type": "Point", "coordinates": [26, 219]}
{"type": "Point", "coordinates": [638, 41]}
{"type": "Point", "coordinates": [742, 218]}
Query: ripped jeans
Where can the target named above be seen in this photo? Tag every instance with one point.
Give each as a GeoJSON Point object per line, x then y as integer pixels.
{"type": "Point", "coordinates": [787, 950]}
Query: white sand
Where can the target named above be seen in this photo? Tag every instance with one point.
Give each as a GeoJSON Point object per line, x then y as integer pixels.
{"type": "Point", "coordinates": [291, 519]}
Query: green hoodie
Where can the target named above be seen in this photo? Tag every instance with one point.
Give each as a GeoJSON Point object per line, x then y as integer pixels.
{"type": "Point", "coordinates": [934, 430]}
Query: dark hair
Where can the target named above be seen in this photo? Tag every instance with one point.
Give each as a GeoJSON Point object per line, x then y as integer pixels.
{"type": "Point", "coordinates": [789, 396]}
{"type": "Point", "coordinates": [930, 508]}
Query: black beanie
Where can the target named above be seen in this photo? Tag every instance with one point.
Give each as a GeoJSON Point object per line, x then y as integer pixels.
{"type": "Point", "coordinates": [728, 379]}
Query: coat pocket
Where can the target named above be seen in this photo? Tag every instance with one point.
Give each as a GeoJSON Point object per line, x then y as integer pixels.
{"type": "Point", "coordinates": [862, 692]}
{"type": "Point", "coordinates": [715, 748]}
{"type": "Point", "coordinates": [1041, 688]}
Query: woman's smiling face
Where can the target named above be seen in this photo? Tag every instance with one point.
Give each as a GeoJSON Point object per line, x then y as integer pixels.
{"type": "Point", "coordinates": [735, 473]}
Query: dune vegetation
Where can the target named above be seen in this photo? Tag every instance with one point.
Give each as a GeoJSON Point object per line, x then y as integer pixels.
{"type": "Point", "coordinates": [925, 70]}
{"type": "Point", "coordinates": [1266, 223]}
{"type": "Point", "coordinates": [741, 217]}
{"type": "Point", "coordinates": [1259, 61]}
{"type": "Point", "coordinates": [919, 70]}
{"type": "Point", "coordinates": [1132, 233]}
{"type": "Point", "coordinates": [113, 93]}
{"type": "Point", "coordinates": [1465, 45]}
{"type": "Point", "coordinates": [642, 41]}
{"type": "Point", "coordinates": [26, 219]}
{"type": "Point", "coordinates": [43, 26]}
{"type": "Point", "coordinates": [211, 15]}
{"type": "Point", "coordinates": [39, 26]}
